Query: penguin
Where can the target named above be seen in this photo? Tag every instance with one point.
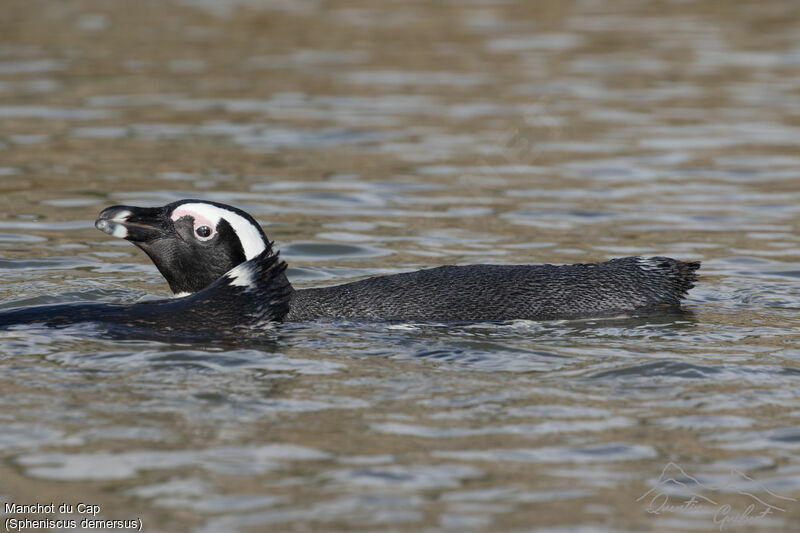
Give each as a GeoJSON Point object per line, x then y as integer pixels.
{"type": "Point", "coordinates": [245, 300]}
{"type": "Point", "coordinates": [195, 242]}
{"type": "Point", "coordinates": [227, 279]}
{"type": "Point", "coordinates": [249, 293]}
{"type": "Point", "coordinates": [191, 242]}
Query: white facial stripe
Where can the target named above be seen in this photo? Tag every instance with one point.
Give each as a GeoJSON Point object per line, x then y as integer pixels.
{"type": "Point", "coordinates": [199, 219]}
{"type": "Point", "coordinates": [249, 236]}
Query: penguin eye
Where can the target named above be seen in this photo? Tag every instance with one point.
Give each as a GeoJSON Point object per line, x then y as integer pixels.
{"type": "Point", "coordinates": [203, 232]}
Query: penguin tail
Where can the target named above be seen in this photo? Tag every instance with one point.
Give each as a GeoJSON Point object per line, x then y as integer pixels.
{"type": "Point", "coordinates": [681, 275]}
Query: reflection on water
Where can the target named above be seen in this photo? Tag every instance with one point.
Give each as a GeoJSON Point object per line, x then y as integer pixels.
{"type": "Point", "coordinates": [381, 138]}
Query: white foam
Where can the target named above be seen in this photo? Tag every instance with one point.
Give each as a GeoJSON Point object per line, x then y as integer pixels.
{"type": "Point", "coordinates": [249, 235]}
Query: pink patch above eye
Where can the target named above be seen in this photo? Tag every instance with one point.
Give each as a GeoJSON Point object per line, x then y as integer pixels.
{"type": "Point", "coordinates": [199, 220]}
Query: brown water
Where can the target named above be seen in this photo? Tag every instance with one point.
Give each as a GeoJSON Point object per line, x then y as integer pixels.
{"type": "Point", "coordinates": [376, 137]}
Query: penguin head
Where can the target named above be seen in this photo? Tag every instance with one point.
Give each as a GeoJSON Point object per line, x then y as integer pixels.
{"type": "Point", "coordinates": [192, 242]}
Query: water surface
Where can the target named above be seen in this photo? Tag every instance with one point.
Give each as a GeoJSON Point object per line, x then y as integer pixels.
{"type": "Point", "coordinates": [381, 137]}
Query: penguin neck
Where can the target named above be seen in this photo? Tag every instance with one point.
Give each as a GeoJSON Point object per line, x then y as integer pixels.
{"type": "Point", "coordinates": [180, 291]}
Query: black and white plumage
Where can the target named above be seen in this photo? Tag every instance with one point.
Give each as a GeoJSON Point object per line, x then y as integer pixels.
{"type": "Point", "coordinates": [243, 300]}
{"type": "Point", "coordinates": [445, 294]}
{"type": "Point", "coordinates": [191, 242]}
{"type": "Point", "coordinates": [219, 260]}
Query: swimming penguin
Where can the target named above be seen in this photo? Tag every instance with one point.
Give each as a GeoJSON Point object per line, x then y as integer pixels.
{"type": "Point", "coordinates": [227, 279]}
{"type": "Point", "coordinates": [195, 243]}
{"type": "Point", "coordinates": [243, 300]}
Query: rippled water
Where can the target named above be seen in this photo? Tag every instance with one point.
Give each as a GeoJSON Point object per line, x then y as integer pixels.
{"type": "Point", "coordinates": [381, 137]}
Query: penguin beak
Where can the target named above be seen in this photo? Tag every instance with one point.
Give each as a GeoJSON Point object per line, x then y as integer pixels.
{"type": "Point", "coordinates": [135, 224]}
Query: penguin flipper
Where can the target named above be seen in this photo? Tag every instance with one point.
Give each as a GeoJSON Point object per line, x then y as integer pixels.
{"type": "Point", "coordinates": [245, 300]}
{"type": "Point", "coordinates": [249, 295]}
